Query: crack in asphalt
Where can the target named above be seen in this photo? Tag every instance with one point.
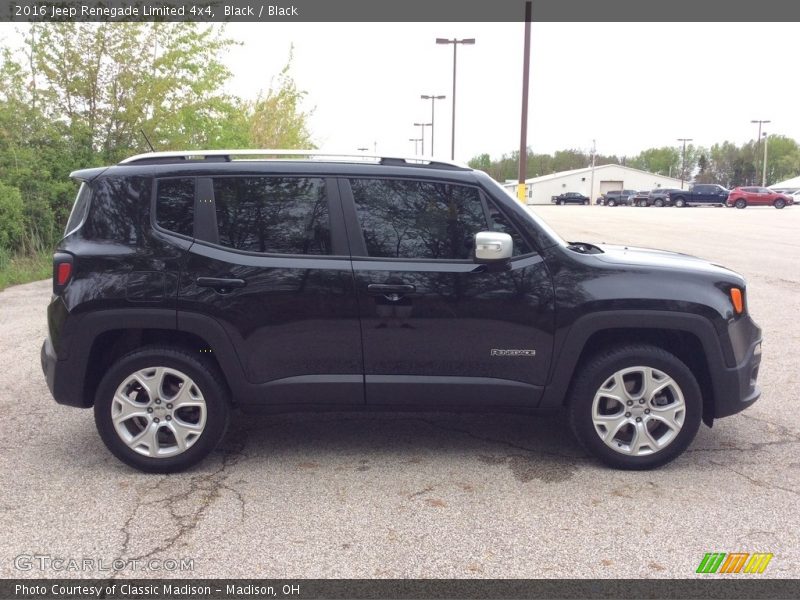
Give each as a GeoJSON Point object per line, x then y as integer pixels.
{"type": "Point", "coordinates": [208, 486]}
{"type": "Point", "coordinates": [756, 482]}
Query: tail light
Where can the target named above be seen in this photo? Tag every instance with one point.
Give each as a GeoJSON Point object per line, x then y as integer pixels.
{"type": "Point", "coordinates": [62, 271]}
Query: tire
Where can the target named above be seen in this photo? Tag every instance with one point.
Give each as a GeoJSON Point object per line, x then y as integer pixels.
{"type": "Point", "coordinates": [740, 203]}
{"type": "Point", "coordinates": [779, 203]}
{"type": "Point", "coordinates": [611, 202]}
{"type": "Point", "coordinates": [680, 202]}
{"type": "Point", "coordinates": [198, 425]}
{"type": "Point", "coordinates": [586, 203]}
{"type": "Point", "coordinates": [591, 409]}
{"type": "Point", "coordinates": [658, 203]}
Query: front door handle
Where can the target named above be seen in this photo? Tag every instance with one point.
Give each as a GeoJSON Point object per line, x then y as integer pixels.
{"type": "Point", "coordinates": [381, 289]}
{"type": "Point", "coordinates": [221, 284]}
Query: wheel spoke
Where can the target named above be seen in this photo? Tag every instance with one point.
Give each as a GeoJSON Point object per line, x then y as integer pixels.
{"type": "Point", "coordinates": [149, 438]}
{"type": "Point", "coordinates": [671, 415]}
{"type": "Point", "coordinates": [653, 384]}
{"type": "Point", "coordinates": [611, 424]}
{"type": "Point", "coordinates": [182, 430]}
{"type": "Point", "coordinates": [186, 397]}
{"type": "Point", "coordinates": [150, 380]}
{"type": "Point", "coordinates": [124, 408]}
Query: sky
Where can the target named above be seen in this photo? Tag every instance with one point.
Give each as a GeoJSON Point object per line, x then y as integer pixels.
{"type": "Point", "coordinates": [628, 86]}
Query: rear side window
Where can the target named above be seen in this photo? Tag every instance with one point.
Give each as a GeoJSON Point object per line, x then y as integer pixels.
{"type": "Point", "coordinates": [277, 215]}
{"type": "Point", "coordinates": [78, 209]}
{"type": "Point", "coordinates": [175, 205]}
{"type": "Point", "coordinates": [418, 219]}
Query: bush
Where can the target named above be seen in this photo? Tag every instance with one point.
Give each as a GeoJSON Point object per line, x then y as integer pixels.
{"type": "Point", "coordinates": [12, 218]}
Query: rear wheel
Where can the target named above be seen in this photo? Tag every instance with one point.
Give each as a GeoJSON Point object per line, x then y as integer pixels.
{"type": "Point", "coordinates": [562, 202]}
{"type": "Point", "coordinates": [779, 203]}
{"type": "Point", "coordinates": [740, 203]}
{"type": "Point", "coordinates": [635, 407]}
{"type": "Point", "coordinates": [658, 202]}
{"type": "Point", "coordinates": [161, 409]}
{"type": "Point", "coordinates": [611, 202]}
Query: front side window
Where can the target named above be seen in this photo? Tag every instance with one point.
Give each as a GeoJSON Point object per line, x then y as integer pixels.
{"type": "Point", "coordinates": [418, 219]}
{"type": "Point", "coordinates": [280, 215]}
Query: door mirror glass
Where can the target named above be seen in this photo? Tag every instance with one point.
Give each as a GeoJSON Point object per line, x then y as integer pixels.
{"type": "Point", "coordinates": [493, 246]}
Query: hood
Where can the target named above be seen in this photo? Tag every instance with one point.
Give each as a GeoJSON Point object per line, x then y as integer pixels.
{"type": "Point", "coordinates": [661, 259]}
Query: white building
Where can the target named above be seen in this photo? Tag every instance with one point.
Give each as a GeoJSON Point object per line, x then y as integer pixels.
{"type": "Point", "coordinates": [790, 185]}
{"type": "Point", "coordinates": [605, 178]}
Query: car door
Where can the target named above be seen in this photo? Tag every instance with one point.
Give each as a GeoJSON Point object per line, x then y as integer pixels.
{"type": "Point", "coordinates": [270, 264]}
{"type": "Point", "coordinates": [439, 329]}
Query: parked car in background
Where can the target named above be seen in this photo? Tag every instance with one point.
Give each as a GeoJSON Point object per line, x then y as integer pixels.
{"type": "Point", "coordinates": [570, 198]}
{"type": "Point", "coordinates": [618, 197]}
{"type": "Point", "coordinates": [641, 199]}
{"type": "Point", "coordinates": [701, 194]}
{"type": "Point", "coordinates": [742, 197]}
{"type": "Point", "coordinates": [660, 197]}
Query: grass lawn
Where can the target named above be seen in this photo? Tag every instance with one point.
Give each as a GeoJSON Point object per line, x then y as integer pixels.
{"type": "Point", "coordinates": [16, 269]}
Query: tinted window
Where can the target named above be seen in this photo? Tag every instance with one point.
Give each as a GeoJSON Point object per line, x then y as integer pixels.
{"type": "Point", "coordinates": [79, 208]}
{"type": "Point", "coordinates": [281, 215]}
{"type": "Point", "coordinates": [120, 210]}
{"type": "Point", "coordinates": [418, 219]}
{"type": "Point", "coordinates": [499, 222]}
{"type": "Point", "coordinates": [175, 205]}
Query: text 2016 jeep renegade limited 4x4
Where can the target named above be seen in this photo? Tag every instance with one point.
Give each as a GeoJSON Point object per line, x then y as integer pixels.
{"type": "Point", "coordinates": [190, 283]}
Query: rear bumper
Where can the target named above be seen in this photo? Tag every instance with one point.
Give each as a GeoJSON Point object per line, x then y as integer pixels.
{"type": "Point", "coordinates": [65, 389]}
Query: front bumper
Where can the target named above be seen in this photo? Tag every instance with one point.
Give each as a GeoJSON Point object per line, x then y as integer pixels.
{"type": "Point", "coordinates": [736, 388]}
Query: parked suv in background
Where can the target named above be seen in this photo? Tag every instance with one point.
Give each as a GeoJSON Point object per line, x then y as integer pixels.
{"type": "Point", "coordinates": [188, 283]}
{"type": "Point", "coordinates": [742, 197]}
{"type": "Point", "coordinates": [621, 197]}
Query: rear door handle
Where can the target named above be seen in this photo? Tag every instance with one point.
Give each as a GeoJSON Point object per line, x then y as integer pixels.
{"type": "Point", "coordinates": [220, 283]}
{"type": "Point", "coordinates": [379, 289]}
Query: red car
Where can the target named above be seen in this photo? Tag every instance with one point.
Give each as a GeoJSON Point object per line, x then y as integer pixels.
{"type": "Point", "coordinates": [741, 197]}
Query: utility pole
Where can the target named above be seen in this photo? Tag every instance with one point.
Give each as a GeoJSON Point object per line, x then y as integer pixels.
{"type": "Point", "coordinates": [591, 185]}
{"type": "Point", "coordinates": [523, 134]}
{"type": "Point", "coordinates": [683, 162]}
{"type": "Point", "coordinates": [764, 172]}
{"type": "Point", "coordinates": [758, 141]}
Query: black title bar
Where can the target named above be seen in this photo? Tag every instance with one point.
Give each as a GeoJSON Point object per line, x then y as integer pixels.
{"type": "Point", "coordinates": [283, 11]}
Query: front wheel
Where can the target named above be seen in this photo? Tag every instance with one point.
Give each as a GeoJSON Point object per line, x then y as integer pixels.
{"type": "Point", "coordinates": [611, 203]}
{"type": "Point", "coordinates": [779, 203]}
{"type": "Point", "coordinates": [658, 203]}
{"type": "Point", "coordinates": [635, 407]}
{"type": "Point", "coordinates": [680, 202]}
{"type": "Point", "coordinates": [161, 409]}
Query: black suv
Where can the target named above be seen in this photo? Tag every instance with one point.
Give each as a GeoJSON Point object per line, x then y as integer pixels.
{"type": "Point", "coordinates": [190, 283]}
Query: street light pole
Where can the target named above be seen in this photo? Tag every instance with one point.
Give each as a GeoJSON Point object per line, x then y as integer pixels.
{"type": "Point", "coordinates": [433, 99]}
{"type": "Point", "coordinates": [523, 135]}
{"type": "Point", "coordinates": [415, 140]}
{"type": "Point", "coordinates": [683, 160]}
{"type": "Point", "coordinates": [764, 172]}
{"type": "Point", "coordinates": [758, 141]}
{"type": "Point", "coordinates": [422, 127]}
{"type": "Point", "coordinates": [455, 43]}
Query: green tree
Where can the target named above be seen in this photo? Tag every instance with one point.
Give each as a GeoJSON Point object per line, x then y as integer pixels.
{"type": "Point", "coordinates": [12, 221]}
{"type": "Point", "coordinates": [277, 119]}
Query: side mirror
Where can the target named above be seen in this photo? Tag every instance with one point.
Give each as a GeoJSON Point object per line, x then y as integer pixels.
{"type": "Point", "coordinates": [493, 246]}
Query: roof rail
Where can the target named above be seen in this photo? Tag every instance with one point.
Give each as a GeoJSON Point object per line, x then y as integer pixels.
{"type": "Point", "coordinates": [179, 156]}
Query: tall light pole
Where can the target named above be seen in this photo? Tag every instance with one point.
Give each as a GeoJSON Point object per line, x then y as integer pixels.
{"type": "Point", "coordinates": [523, 135]}
{"type": "Point", "coordinates": [422, 127]}
{"type": "Point", "coordinates": [433, 99]}
{"type": "Point", "coordinates": [683, 160]}
{"type": "Point", "coordinates": [416, 148]}
{"type": "Point", "coordinates": [764, 171]}
{"type": "Point", "coordinates": [591, 185]}
{"type": "Point", "coordinates": [455, 43]}
{"type": "Point", "coordinates": [758, 141]}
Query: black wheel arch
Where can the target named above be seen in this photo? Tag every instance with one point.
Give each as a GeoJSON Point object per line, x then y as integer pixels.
{"type": "Point", "coordinates": [692, 338]}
